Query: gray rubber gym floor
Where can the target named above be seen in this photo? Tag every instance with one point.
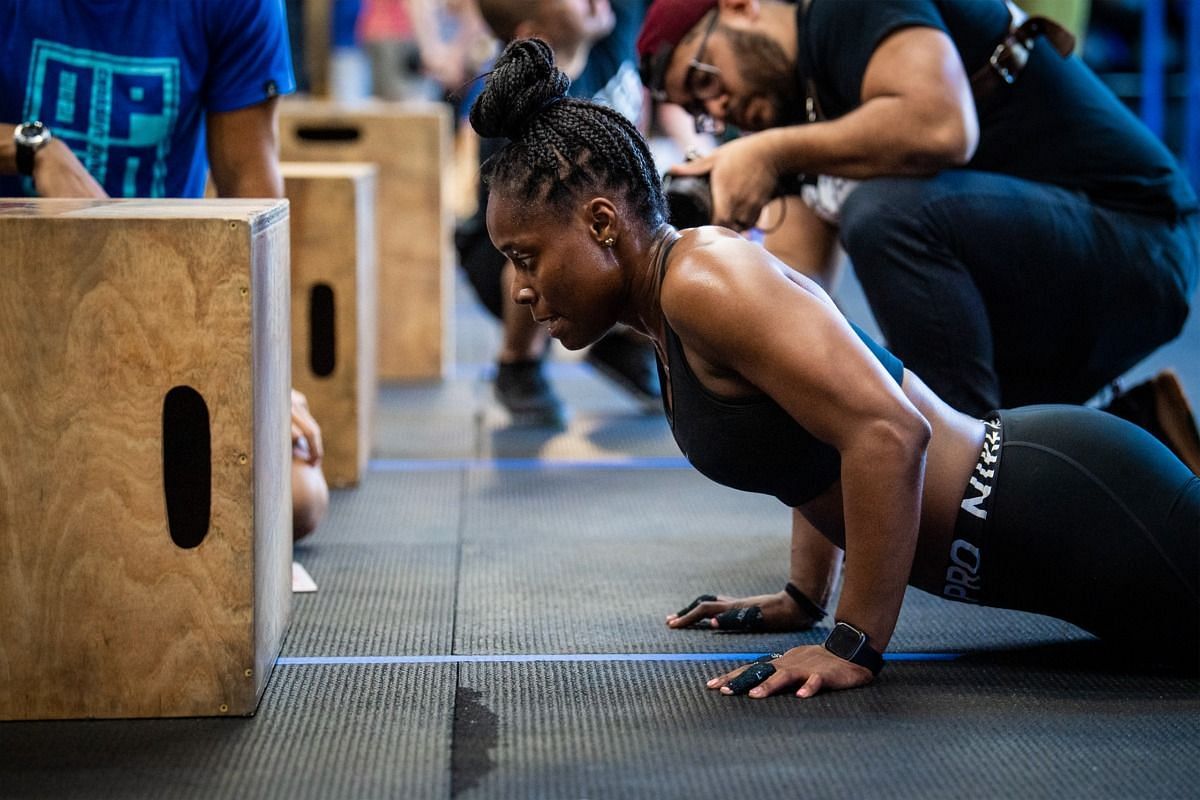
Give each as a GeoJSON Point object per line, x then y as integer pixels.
{"type": "Point", "coordinates": [489, 623]}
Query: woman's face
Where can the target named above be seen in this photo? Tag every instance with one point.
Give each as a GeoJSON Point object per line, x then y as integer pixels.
{"type": "Point", "coordinates": [571, 282]}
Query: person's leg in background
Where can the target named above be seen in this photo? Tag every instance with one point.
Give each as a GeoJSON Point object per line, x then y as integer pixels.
{"type": "Point", "coordinates": [1158, 404]}
{"type": "Point", "coordinates": [1001, 292]}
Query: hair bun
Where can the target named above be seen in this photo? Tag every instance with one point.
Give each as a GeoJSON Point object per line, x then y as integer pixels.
{"type": "Point", "coordinates": [523, 82]}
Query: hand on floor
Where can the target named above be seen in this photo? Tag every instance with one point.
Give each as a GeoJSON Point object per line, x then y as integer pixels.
{"type": "Point", "coordinates": [764, 612]}
{"type": "Point", "coordinates": [812, 666]}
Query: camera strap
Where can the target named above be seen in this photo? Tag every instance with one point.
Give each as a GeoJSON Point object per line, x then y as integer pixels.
{"type": "Point", "coordinates": [812, 103]}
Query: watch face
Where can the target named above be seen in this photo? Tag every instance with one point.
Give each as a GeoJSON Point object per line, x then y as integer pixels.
{"type": "Point", "coordinates": [33, 134]}
{"type": "Point", "coordinates": [844, 641]}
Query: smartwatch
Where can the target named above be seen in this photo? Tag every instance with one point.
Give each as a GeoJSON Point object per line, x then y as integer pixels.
{"type": "Point", "coordinates": [29, 137]}
{"type": "Point", "coordinates": [848, 642]}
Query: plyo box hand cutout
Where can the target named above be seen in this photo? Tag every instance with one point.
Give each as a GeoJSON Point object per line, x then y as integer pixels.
{"type": "Point", "coordinates": [411, 145]}
{"type": "Point", "coordinates": [145, 496]}
{"type": "Point", "coordinates": [334, 306]}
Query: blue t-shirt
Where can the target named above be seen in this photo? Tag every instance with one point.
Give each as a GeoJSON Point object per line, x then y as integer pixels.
{"type": "Point", "coordinates": [127, 84]}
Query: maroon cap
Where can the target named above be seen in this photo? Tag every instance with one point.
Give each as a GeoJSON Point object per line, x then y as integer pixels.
{"type": "Point", "coordinates": [665, 24]}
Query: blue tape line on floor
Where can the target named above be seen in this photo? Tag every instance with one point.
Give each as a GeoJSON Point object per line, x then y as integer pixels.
{"type": "Point", "coordinates": [576, 657]}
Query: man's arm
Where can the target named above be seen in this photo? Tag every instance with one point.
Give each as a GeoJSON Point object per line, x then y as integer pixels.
{"type": "Point", "coordinates": [56, 170]}
{"type": "Point", "coordinates": [242, 151]}
{"type": "Point", "coordinates": [917, 117]}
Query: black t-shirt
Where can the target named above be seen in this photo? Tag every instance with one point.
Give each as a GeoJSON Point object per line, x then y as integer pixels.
{"type": "Point", "coordinates": [1057, 124]}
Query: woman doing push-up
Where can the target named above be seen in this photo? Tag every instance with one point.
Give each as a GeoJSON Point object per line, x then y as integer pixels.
{"type": "Point", "coordinates": [1058, 510]}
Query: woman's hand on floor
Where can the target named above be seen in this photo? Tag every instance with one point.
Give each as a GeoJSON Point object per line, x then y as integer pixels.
{"type": "Point", "coordinates": [812, 668]}
{"type": "Point", "coordinates": [764, 612]}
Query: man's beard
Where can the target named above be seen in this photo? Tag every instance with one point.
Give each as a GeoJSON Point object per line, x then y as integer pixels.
{"type": "Point", "coordinates": [767, 72]}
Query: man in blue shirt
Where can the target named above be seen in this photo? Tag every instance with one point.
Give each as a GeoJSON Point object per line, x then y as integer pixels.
{"type": "Point", "coordinates": [141, 98]}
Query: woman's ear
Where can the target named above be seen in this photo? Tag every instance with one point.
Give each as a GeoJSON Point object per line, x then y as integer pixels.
{"type": "Point", "coordinates": [602, 220]}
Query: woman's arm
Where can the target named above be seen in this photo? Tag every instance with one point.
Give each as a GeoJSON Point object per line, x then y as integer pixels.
{"type": "Point", "coordinates": [747, 321]}
{"type": "Point", "coordinates": [815, 565]}
{"type": "Point", "coordinates": [816, 562]}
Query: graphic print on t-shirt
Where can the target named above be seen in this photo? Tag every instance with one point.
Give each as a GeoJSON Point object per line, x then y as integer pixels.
{"type": "Point", "coordinates": [115, 112]}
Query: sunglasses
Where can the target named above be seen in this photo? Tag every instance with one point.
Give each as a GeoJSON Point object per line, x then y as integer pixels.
{"type": "Point", "coordinates": [703, 82]}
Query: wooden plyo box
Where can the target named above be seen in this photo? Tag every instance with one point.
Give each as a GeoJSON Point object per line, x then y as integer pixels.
{"type": "Point", "coordinates": [145, 492]}
{"type": "Point", "coordinates": [333, 306]}
{"type": "Point", "coordinates": [411, 144]}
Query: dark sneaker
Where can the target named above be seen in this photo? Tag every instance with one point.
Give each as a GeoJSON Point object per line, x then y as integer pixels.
{"type": "Point", "coordinates": [1160, 407]}
{"type": "Point", "coordinates": [524, 392]}
{"type": "Point", "coordinates": [627, 359]}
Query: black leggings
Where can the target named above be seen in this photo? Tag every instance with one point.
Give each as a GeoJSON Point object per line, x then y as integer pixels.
{"type": "Point", "coordinates": [1091, 520]}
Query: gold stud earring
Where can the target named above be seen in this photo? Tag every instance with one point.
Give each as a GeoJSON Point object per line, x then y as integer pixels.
{"type": "Point", "coordinates": [609, 242]}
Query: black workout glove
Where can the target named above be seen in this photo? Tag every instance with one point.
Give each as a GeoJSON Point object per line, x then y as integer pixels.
{"type": "Point", "coordinates": [704, 598]}
{"type": "Point", "coordinates": [758, 671]}
{"type": "Point", "coordinates": [742, 620]}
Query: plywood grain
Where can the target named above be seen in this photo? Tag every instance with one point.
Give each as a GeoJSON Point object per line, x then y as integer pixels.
{"type": "Point", "coordinates": [411, 145]}
{"type": "Point", "coordinates": [333, 245]}
{"type": "Point", "coordinates": [105, 306]}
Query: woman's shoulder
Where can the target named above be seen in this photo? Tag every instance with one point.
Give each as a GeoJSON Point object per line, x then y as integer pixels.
{"type": "Point", "coordinates": [713, 274]}
{"type": "Point", "coordinates": [710, 260]}
{"type": "Point", "coordinates": [703, 254]}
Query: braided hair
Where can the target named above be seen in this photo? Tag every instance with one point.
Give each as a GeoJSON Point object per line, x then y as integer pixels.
{"type": "Point", "coordinates": [560, 147]}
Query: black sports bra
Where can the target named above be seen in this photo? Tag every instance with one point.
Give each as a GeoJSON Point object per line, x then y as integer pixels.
{"type": "Point", "coordinates": [751, 444]}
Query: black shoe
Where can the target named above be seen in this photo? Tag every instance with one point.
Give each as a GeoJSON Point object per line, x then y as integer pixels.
{"type": "Point", "coordinates": [1160, 407]}
{"type": "Point", "coordinates": [524, 392]}
{"type": "Point", "coordinates": [628, 360]}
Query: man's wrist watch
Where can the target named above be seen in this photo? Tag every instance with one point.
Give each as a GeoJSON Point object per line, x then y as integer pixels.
{"type": "Point", "coordinates": [29, 137]}
{"type": "Point", "coordinates": [848, 642]}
